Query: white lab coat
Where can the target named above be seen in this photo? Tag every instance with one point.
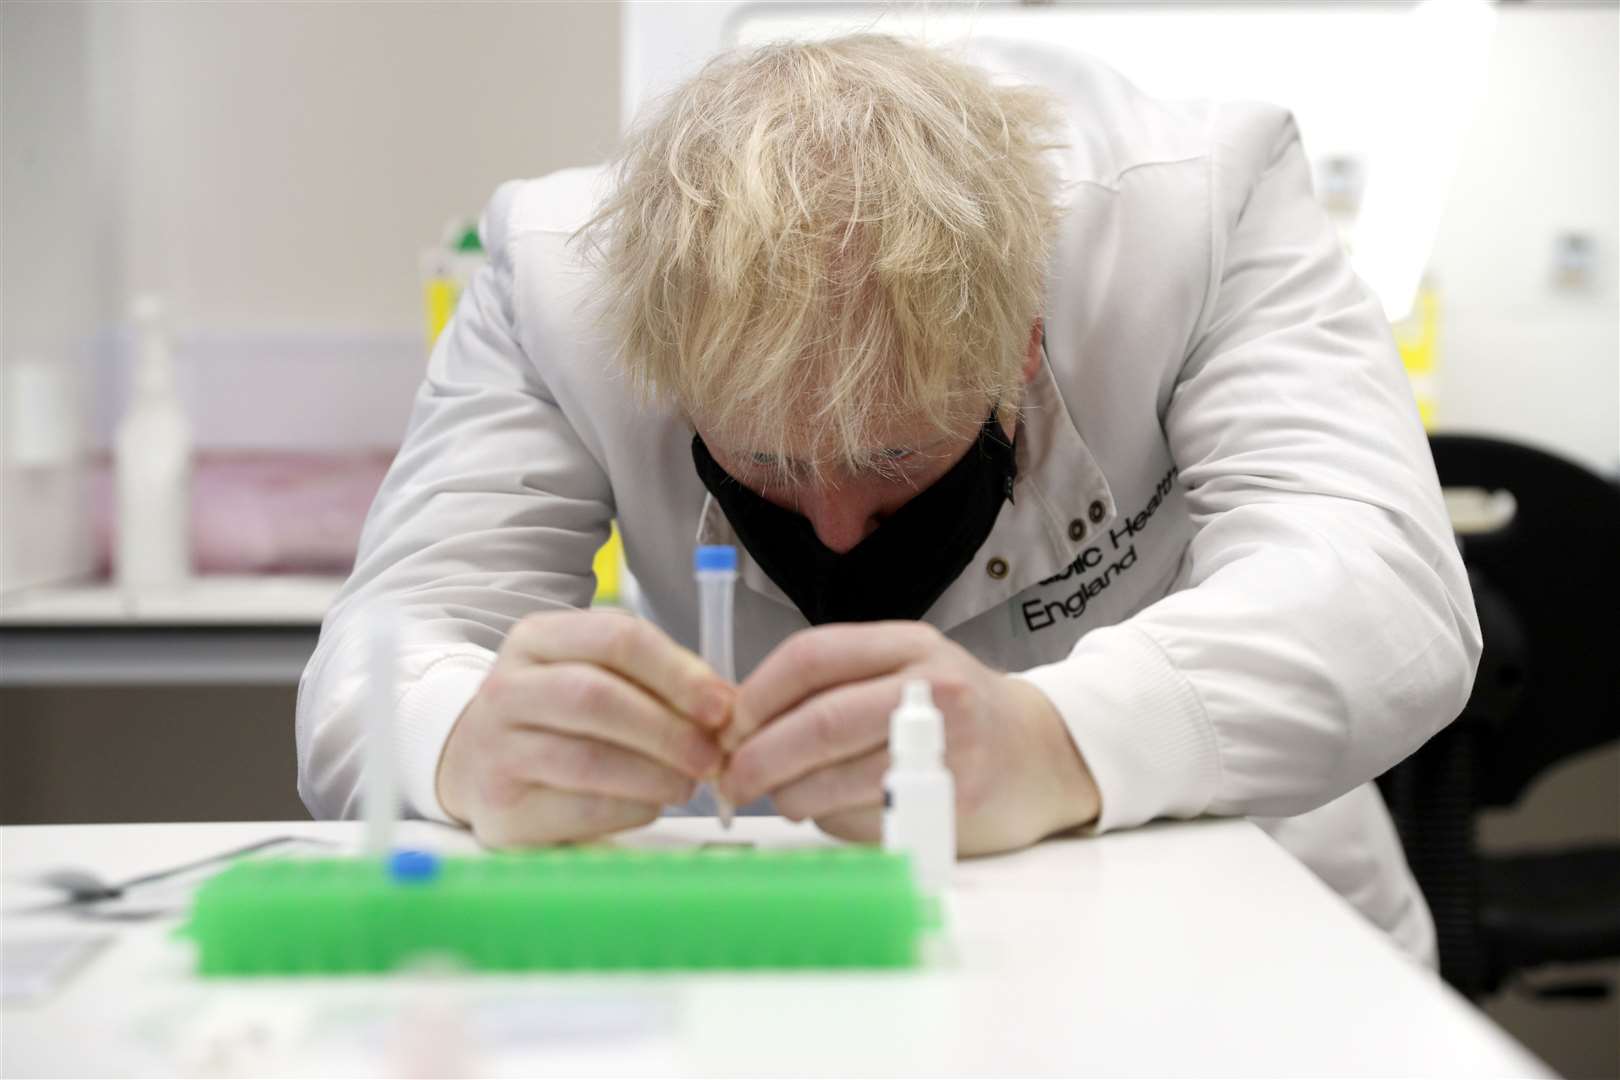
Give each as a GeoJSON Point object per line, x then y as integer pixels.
{"type": "Point", "coordinates": [1227, 559]}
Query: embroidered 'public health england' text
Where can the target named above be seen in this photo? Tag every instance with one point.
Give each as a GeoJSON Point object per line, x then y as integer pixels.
{"type": "Point", "coordinates": [1041, 613]}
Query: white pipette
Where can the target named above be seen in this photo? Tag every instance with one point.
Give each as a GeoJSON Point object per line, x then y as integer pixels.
{"type": "Point", "coordinates": [381, 791]}
{"type": "Point", "coordinates": [715, 566]}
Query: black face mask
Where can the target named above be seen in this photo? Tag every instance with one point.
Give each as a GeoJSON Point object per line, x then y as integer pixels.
{"type": "Point", "coordinates": [898, 571]}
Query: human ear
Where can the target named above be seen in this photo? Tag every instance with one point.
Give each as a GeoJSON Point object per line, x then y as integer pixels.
{"type": "Point", "coordinates": [1032, 355]}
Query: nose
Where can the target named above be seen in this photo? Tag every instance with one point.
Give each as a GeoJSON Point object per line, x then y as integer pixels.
{"type": "Point", "coordinates": [842, 516]}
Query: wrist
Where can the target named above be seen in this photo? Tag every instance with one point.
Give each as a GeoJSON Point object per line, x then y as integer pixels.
{"type": "Point", "coordinates": [1069, 792]}
{"type": "Point", "coordinates": [444, 773]}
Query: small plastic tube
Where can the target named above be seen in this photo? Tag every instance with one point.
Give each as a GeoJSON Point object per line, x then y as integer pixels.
{"type": "Point", "coordinates": [715, 566]}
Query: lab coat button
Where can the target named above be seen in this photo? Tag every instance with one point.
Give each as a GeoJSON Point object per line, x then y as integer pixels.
{"type": "Point", "coordinates": [1077, 530]}
{"type": "Point", "coordinates": [996, 567]}
{"type": "Point", "coordinates": [1098, 511]}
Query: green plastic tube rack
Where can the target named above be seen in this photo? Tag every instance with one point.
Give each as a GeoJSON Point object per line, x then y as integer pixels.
{"type": "Point", "coordinates": [590, 908]}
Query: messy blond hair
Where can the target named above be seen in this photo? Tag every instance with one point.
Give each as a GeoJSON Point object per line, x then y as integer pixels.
{"type": "Point", "coordinates": [809, 239]}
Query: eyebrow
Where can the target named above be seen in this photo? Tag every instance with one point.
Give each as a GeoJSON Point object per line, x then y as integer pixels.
{"type": "Point", "coordinates": [866, 454]}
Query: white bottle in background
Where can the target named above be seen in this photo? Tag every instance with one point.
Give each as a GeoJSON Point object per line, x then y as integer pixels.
{"type": "Point", "coordinates": [44, 480]}
{"type": "Point", "coordinates": [153, 458]}
{"type": "Point", "coordinates": [919, 796]}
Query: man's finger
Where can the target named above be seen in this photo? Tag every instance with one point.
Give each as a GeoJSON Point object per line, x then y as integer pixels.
{"type": "Point", "coordinates": [847, 785]}
{"type": "Point", "coordinates": [863, 826]}
{"type": "Point", "coordinates": [814, 660]}
{"type": "Point", "coordinates": [583, 699]}
{"type": "Point", "coordinates": [543, 816]}
{"type": "Point", "coordinates": [830, 727]}
{"type": "Point", "coordinates": [588, 767]}
{"type": "Point", "coordinates": [633, 648]}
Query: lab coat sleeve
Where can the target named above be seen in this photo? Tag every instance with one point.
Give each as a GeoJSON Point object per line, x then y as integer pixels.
{"type": "Point", "coordinates": [1322, 626]}
{"type": "Point", "coordinates": [493, 509]}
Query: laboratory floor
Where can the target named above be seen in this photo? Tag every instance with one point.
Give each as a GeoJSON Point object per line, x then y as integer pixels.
{"type": "Point", "coordinates": [1581, 1039]}
{"type": "Point", "coordinates": [1576, 802]}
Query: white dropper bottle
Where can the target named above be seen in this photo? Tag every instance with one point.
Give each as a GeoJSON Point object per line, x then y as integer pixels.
{"type": "Point", "coordinates": [919, 796]}
{"type": "Point", "coordinates": [153, 461]}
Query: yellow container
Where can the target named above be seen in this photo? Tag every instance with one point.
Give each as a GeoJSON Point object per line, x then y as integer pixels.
{"type": "Point", "coordinates": [446, 271]}
{"type": "Point", "coordinates": [1417, 337]}
{"type": "Point", "coordinates": [441, 294]}
{"type": "Point", "coordinates": [609, 568]}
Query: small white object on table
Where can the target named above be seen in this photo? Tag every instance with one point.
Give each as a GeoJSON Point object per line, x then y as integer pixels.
{"type": "Point", "coordinates": [1196, 948]}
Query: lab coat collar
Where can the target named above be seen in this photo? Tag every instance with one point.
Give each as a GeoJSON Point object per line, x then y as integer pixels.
{"type": "Point", "coordinates": [1061, 502]}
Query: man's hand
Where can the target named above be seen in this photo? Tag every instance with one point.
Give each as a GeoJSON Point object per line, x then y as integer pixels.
{"type": "Point", "coordinates": [811, 728]}
{"type": "Point", "coordinates": [589, 722]}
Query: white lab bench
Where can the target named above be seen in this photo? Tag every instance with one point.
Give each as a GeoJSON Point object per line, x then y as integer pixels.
{"type": "Point", "coordinates": [1196, 948]}
{"type": "Point", "coordinates": [222, 630]}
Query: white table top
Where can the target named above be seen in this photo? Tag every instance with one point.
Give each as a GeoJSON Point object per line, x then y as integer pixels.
{"type": "Point", "coordinates": [206, 600]}
{"type": "Point", "coordinates": [1177, 949]}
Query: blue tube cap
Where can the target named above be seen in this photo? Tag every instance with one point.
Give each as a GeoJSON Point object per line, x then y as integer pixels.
{"type": "Point", "coordinates": [413, 866]}
{"type": "Point", "coordinates": [715, 557]}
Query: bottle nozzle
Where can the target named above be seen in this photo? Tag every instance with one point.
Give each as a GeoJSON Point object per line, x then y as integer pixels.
{"type": "Point", "coordinates": [916, 728]}
{"type": "Point", "coordinates": [915, 693]}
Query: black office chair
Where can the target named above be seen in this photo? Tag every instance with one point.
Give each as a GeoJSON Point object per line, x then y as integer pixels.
{"type": "Point", "coordinates": [1547, 586]}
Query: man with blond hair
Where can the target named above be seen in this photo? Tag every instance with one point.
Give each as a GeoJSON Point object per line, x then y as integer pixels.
{"type": "Point", "coordinates": [1000, 374]}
